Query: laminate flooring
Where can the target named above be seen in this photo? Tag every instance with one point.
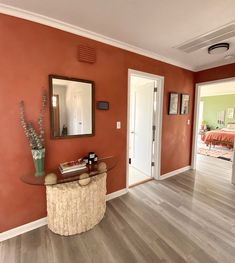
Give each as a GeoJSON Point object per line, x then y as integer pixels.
{"type": "Point", "coordinates": [186, 218]}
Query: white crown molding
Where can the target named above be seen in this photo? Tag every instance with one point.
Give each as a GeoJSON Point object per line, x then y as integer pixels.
{"type": "Point", "coordinates": [214, 65]}
{"type": "Point", "coordinates": [31, 16]}
{"type": "Point", "coordinates": [175, 172]}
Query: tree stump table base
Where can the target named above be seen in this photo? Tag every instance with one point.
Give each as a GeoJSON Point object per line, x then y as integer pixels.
{"type": "Point", "coordinates": [73, 209]}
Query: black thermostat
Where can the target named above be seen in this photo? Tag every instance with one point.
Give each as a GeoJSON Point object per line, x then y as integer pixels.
{"type": "Point", "coordinates": [102, 105]}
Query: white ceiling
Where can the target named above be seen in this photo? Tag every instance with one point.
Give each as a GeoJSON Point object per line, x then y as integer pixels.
{"type": "Point", "coordinates": [218, 89]}
{"type": "Point", "coordinates": [152, 27]}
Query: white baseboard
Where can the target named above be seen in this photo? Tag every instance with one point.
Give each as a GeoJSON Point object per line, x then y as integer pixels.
{"type": "Point", "coordinates": [116, 194]}
{"type": "Point", "coordinates": [23, 229]}
{"type": "Point", "coordinates": [43, 221]}
{"type": "Point", "coordinates": [175, 172]}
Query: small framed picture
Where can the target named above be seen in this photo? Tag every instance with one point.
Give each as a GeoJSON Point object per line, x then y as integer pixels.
{"type": "Point", "coordinates": [173, 103]}
{"type": "Point", "coordinates": [184, 109]}
{"type": "Point", "coordinates": [230, 113]}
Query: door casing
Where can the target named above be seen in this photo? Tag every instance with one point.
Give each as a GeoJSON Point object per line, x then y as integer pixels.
{"type": "Point", "coordinates": [196, 116]}
{"type": "Point", "coordinates": [157, 121]}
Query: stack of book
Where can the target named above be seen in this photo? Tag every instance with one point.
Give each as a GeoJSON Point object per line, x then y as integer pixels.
{"type": "Point", "coordinates": [72, 166]}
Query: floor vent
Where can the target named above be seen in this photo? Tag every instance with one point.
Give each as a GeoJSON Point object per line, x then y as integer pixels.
{"type": "Point", "coordinates": [208, 39]}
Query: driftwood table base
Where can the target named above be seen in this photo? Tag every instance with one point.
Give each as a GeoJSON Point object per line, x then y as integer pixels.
{"type": "Point", "coordinates": [73, 209]}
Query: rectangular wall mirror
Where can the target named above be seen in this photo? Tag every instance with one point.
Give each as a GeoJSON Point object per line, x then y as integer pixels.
{"type": "Point", "coordinates": [71, 107]}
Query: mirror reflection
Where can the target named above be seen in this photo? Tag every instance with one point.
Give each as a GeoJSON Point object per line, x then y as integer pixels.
{"type": "Point", "coordinates": [71, 107]}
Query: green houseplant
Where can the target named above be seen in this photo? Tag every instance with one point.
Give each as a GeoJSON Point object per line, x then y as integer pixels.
{"type": "Point", "coordinates": [36, 139]}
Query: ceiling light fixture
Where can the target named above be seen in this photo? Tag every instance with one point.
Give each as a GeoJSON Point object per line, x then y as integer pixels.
{"type": "Point", "coordinates": [218, 48]}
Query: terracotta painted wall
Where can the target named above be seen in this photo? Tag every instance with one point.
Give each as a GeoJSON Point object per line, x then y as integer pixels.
{"type": "Point", "coordinates": [29, 53]}
{"type": "Point", "coordinates": [222, 72]}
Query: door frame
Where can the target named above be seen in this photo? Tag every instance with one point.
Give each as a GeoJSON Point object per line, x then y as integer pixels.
{"type": "Point", "coordinates": [198, 87]}
{"type": "Point", "coordinates": [158, 122]}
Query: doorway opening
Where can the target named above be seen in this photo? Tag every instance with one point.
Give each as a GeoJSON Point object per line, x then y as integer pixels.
{"type": "Point", "coordinates": [214, 127]}
{"type": "Point", "coordinates": [145, 95]}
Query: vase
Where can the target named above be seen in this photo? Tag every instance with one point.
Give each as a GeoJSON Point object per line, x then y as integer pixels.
{"type": "Point", "coordinates": [38, 159]}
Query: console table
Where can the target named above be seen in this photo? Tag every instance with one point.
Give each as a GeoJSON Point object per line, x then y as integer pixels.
{"type": "Point", "coordinates": [76, 201]}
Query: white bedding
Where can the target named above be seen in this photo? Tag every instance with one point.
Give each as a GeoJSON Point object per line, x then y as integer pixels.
{"type": "Point", "coordinates": [228, 130]}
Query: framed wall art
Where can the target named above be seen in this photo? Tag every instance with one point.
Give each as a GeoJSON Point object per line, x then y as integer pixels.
{"type": "Point", "coordinates": [230, 113]}
{"type": "Point", "coordinates": [173, 103]}
{"type": "Point", "coordinates": [184, 108]}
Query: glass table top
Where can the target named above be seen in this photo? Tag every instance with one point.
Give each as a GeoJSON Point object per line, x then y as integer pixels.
{"type": "Point", "coordinates": [56, 177]}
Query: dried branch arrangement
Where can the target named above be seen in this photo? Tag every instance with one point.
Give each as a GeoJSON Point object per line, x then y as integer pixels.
{"type": "Point", "coordinates": [36, 140]}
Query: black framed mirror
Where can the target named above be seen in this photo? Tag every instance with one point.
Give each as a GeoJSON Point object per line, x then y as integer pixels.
{"type": "Point", "coordinates": [71, 107]}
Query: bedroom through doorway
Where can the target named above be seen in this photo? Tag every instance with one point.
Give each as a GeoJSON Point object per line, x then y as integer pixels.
{"type": "Point", "coordinates": [214, 131]}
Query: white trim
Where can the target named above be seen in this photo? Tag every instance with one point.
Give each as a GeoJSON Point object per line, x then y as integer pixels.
{"type": "Point", "coordinates": [116, 194]}
{"type": "Point", "coordinates": [23, 229]}
{"type": "Point", "coordinates": [43, 221]}
{"type": "Point", "coordinates": [214, 65]}
{"type": "Point", "coordinates": [128, 127]}
{"type": "Point", "coordinates": [233, 169]}
{"type": "Point", "coordinates": [175, 172]}
{"type": "Point", "coordinates": [216, 81]}
{"type": "Point", "coordinates": [31, 16]}
{"type": "Point", "coordinates": [195, 125]}
{"type": "Point", "coordinates": [158, 121]}
{"type": "Point", "coordinates": [159, 130]}
{"type": "Point", "coordinates": [196, 115]}
{"type": "Point", "coordinates": [48, 21]}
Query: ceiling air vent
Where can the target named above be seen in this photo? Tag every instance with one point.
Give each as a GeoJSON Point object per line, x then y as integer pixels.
{"type": "Point", "coordinates": [208, 39]}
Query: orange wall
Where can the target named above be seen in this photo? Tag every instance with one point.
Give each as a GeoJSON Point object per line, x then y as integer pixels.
{"type": "Point", "coordinates": [29, 52]}
{"type": "Point", "coordinates": [222, 72]}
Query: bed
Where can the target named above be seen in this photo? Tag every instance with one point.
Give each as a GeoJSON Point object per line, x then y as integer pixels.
{"type": "Point", "coordinates": [224, 137]}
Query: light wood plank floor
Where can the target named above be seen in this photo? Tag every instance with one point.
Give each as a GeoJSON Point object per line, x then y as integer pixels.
{"type": "Point", "coordinates": [186, 218]}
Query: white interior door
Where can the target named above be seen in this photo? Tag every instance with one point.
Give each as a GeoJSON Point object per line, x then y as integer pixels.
{"type": "Point", "coordinates": [75, 112]}
{"type": "Point", "coordinates": [141, 134]}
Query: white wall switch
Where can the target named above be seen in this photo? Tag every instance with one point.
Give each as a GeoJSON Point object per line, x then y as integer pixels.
{"type": "Point", "coordinates": [118, 125]}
